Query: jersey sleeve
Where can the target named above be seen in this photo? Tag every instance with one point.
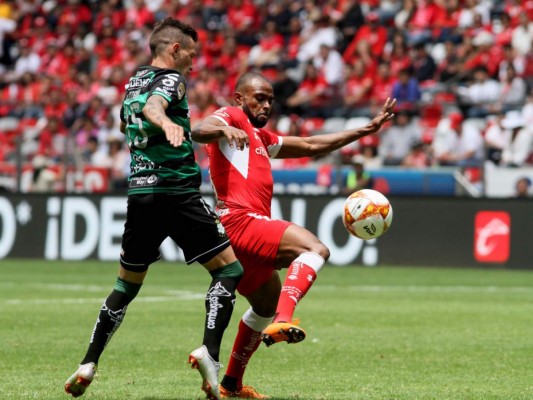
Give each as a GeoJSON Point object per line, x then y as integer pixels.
{"type": "Point", "coordinates": [271, 141]}
{"type": "Point", "coordinates": [224, 114]}
{"type": "Point", "coordinates": [170, 85]}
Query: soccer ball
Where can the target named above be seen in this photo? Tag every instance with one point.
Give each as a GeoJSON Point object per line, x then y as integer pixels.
{"type": "Point", "coordinates": [367, 214]}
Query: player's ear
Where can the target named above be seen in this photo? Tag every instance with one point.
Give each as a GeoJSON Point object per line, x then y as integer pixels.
{"type": "Point", "coordinates": [175, 50]}
{"type": "Point", "coordinates": [237, 96]}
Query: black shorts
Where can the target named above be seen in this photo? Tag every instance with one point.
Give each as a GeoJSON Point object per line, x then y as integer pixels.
{"type": "Point", "coordinates": [186, 218]}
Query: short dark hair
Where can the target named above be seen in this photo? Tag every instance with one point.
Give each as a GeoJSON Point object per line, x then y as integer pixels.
{"type": "Point", "coordinates": [247, 77]}
{"type": "Point", "coordinates": [170, 30]}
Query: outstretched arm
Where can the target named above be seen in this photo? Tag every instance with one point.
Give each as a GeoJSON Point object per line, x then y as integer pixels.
{"type": "Point", "coordinates": [212, 129]}
{"type": "Point", "coordinates": [322, 144]}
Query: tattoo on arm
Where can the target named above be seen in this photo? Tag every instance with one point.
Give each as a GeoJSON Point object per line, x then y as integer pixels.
{"type": "Point", "coordinates": [154, 110]}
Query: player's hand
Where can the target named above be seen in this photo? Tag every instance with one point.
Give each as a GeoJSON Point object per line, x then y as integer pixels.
{"type": "Point", "coordinates": [385, 115]}
{"type": "Point", "coordinates": [173, 132]}
{"type": "Point", "coordinates": [236, 137]}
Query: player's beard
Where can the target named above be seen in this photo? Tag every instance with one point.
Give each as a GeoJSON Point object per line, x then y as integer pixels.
{"type": "Point", "coordinates": [253, 119]}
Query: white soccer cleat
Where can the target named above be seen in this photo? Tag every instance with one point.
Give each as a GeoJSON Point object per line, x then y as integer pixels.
{"type": "Point", "coordinates": [80, 380]}
{"type": "Point", "coordinates": [202, 361]}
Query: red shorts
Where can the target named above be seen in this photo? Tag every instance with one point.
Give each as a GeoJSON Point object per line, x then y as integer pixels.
{"type": "Point", "coordinates": [255, 239]}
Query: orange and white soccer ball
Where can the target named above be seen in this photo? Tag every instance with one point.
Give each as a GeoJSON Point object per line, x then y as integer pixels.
{"type": "Point", "coordinates": [367, 214]}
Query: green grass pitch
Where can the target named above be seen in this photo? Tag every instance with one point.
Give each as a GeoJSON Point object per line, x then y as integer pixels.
{"type": "Point", "coordinates": [373, 333]}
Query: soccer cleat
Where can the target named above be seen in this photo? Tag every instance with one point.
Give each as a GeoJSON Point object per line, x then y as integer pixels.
{"type": "Point", "coordinates": [202, 361]}
{"type": "Point", "coordinates": [247, 392]}
{"type": "Point", "coordinates": [277, 332]}
{"type": "Point", "coordinates": [80, 380]}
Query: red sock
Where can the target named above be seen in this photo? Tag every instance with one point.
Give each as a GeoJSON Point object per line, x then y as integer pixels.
{"type": "Point", "coordinates": [299, 279]}
{"type": "Point", "coordinates": [246, 343]}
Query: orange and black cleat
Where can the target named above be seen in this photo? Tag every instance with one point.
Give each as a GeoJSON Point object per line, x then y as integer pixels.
{"type": "Point", "coordinates": [277, 332]}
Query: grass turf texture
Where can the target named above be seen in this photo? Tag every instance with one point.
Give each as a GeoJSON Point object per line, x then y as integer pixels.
{"type": "Point", "coordinates": [373, 333]}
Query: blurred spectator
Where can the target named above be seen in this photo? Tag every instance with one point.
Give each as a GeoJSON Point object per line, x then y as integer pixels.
{"type": "Point", "coordinates": [371, 32]}
{"type": "Point", "coordinates": [418, 156]}
{"type": "Point", "coordinates": [368, 148]}
{"type": "Point", "coordinates": [458, 144]}
{"type": "Point", "coordinates": [397, 139]}
{"type": "Point", "coordinates": [120, 163]}
{"type": "Point", "coordinates": [92, 154]}
{"type": "Point", "coordinates": [449, 68]}
{"type": "Point", "coordinates": [214, 15]}
{"type": "Point", "coordinates": [321, 31]}
{"type": "Point", "coordinates": [27, 61]}
{"type": "Point", "coordinates": [268, 52]}
{"type": "Point", "coordinates": [313, 94]}
{"type": "Point", "coordinates": [357, 91]}
{"type": "Point", "coordinates": [519, 140]}
{"type": "Point", "coordinates": [45, 176]}
{"type": "Point", "coordinates": [523, 35]}
{"type": "Point", "coordinates": [396, 54]}
{"type": "Point", "coordinates": [423, 19]}
{"type": "Point", "coordinates": [348, 21]}
{"type": "Point", "coordinates": [513, 90]}
{"type": "Point", "coordinates": [106, 131]}
{"type": "Point", "coordinates": [382, 86]}
{"type": "Point", "coordinates": [243, 17]}
{"type": "Point", "coordinates": [52, 141]}
{"type": "Point", "coordinates": [403, 16]}
{"type": "Point", "coordinates": [495, 139]}
{"type": "Point", "coordinates": [406, 90]}
{"type": "Point", "coordinates": [330, 65]}
{"type": "Point", "coordinates": [284, 87]}
{"type": "Point", "coordinates": [523, 188]}
{"type": "Point", "coordinates": [357, 178]}
{"type": "Point", "coordinates": [484, 54]}
{"type": "Point", "coordinates": [480, 97]}
{"type": "Point", "coordinates": [422, 63]}
{"type": "Point", "coordinates": [83, 130]}
{"type": "Point", "coordinates": [139, 14]}
{"type": "Point", "coordinates": [511, 58]}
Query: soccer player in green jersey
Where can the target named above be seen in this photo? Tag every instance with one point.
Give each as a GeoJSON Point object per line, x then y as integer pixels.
{"type": "Point", "coordinates": [164, 201]}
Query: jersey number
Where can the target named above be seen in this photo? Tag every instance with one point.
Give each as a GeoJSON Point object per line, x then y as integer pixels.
{"type": "Point", "coordinates": [131, 113]}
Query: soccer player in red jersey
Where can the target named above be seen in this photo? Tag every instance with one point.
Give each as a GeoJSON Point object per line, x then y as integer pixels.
{"type": "Point", "coordinates": [243, 183]}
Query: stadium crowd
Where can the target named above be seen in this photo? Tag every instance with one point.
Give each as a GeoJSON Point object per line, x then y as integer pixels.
{"type": "Point", "coordinates": [461, 70]}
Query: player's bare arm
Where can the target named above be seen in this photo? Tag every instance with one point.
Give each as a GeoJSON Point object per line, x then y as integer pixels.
{"type": "Point", "coordinates": [212, 129]}
{"type": "Point", "coordinates": [154, 111]}
{"type": "Point", "coordinates": [294, 146]}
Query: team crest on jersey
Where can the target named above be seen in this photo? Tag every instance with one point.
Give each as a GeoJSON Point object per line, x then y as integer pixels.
{"type": "Point", "coordinates": [181, 90]}
{"type": "Point", "coordinates": [221, 230]}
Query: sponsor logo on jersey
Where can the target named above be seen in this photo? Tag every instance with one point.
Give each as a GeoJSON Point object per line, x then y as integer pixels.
{"type": "Point", "coordinates": [162, 90]}
{"type": "Point", "coordinates": [141, 181]}
{"type": "Point", "coordinates": [261, 151]}
{"type": "Point", "coordinates": [492, 236]}
{"type": "Point", "coordinates": [222, 113]}
{"type": "Point", "coordinates": [132, 94]}
{"type": "Point", "coordinates": [136, 82]}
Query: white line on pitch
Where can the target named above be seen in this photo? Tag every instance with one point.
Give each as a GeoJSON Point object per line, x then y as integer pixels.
{"type": "Point", "coordinates": [425, 289]}
{"type": "Point", "coordinates": [147, 299]}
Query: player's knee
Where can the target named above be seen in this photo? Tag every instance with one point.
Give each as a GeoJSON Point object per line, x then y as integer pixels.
{"type": "Point", "coordinates": [134, 267]}
{"type": "Point", "coordinates": [321, 249]}
{"type": "Point", "coordinates": [233, 270]}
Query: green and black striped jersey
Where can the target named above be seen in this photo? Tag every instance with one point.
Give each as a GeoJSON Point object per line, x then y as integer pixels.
{"type": "Point", "coordinates": [157, 166]}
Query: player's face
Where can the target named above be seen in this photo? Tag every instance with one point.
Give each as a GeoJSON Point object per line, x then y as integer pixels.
{"type": "Point", "coordinates": [184, 56]}
{"type": "Point", "coordinates": [257, 102]}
